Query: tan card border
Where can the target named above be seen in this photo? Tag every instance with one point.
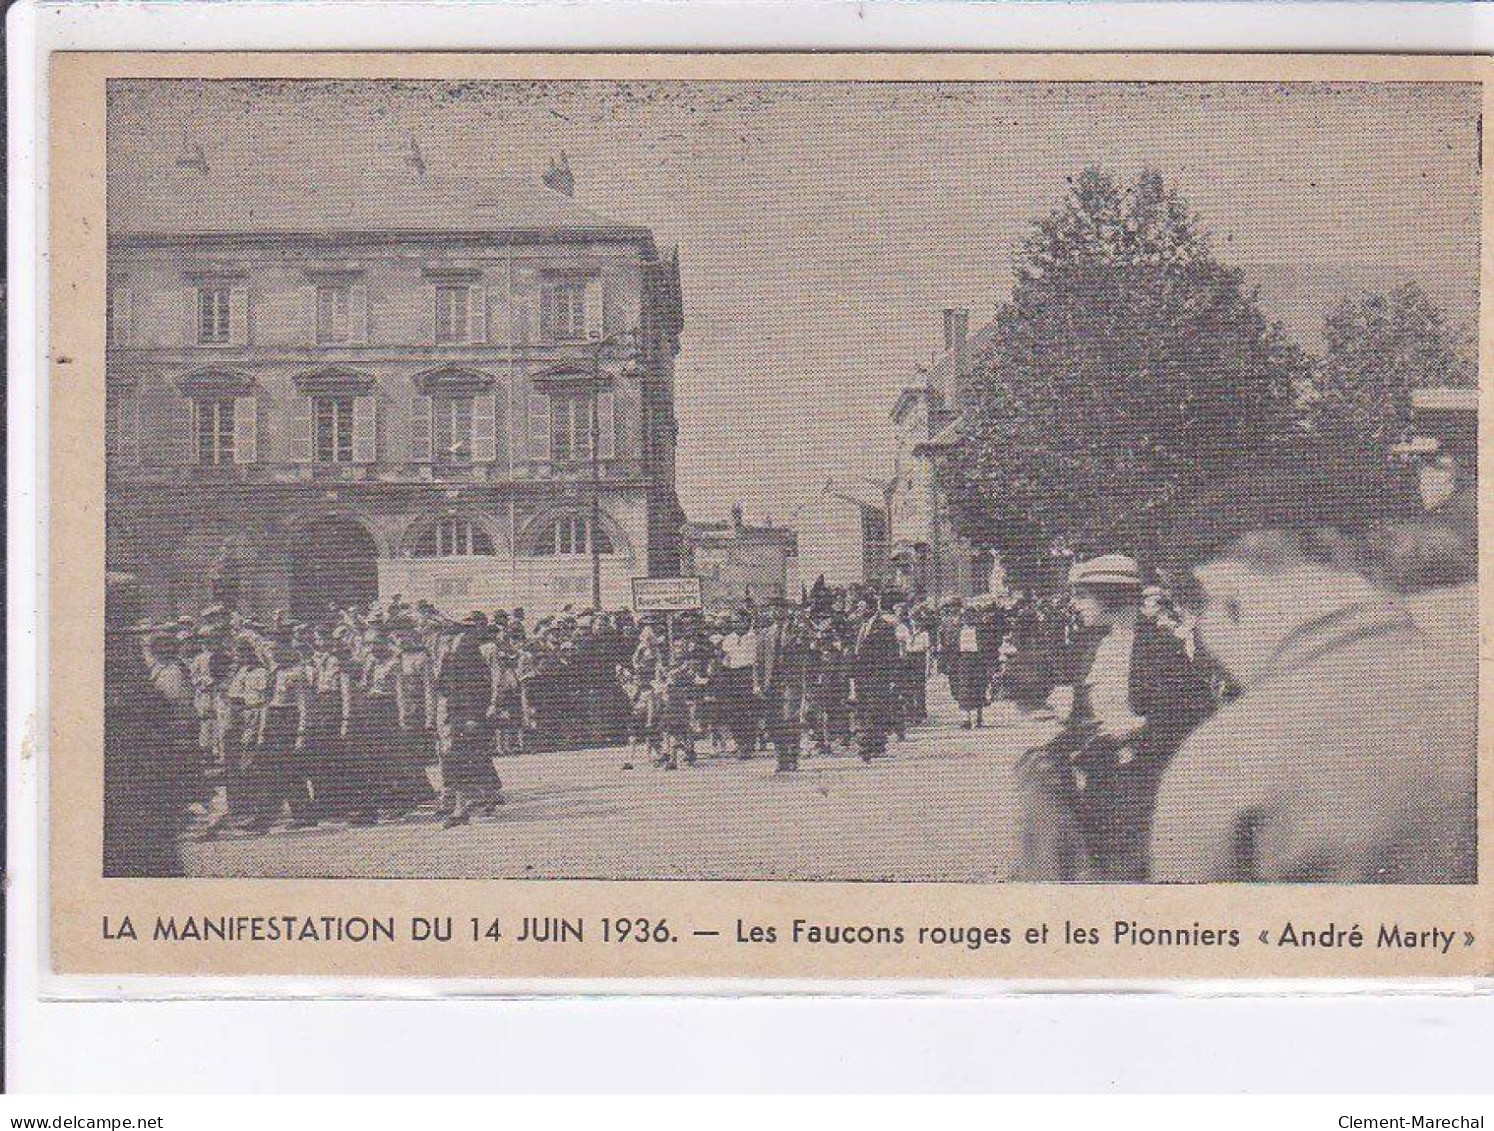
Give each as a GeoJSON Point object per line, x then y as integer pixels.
{"type": "Point", "coordinates": [80, 898]}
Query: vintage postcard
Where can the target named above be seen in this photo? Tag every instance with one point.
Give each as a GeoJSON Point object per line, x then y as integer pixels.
{"type": "Point", "coordinates": [774, 517]}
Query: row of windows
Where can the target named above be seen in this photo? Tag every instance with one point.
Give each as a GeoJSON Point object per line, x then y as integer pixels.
{"type": "Point", "coordinates": [568, 535]}
{"type": "Point", "coordinates": [460, 536]}
{"type": "Point", "coordinates": [569, 310]}
{"type": "Point", "coordinates": [446, 429]}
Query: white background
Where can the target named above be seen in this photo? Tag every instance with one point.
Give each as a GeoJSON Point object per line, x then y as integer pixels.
{"type": "Point", "coordinates": [1143, 1042]}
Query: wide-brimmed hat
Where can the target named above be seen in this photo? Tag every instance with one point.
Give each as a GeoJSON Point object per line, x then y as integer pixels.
{"type": "Point", "coordinates": [1109, 570]}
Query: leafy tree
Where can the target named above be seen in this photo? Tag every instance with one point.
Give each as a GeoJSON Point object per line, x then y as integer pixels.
{"type": "Point", "coordinates": [1379, 348]}
{"type": "Point", "coordinates": [1129, 368]}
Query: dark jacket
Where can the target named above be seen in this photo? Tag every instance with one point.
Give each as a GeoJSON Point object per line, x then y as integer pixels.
{"type": "Point", "coordinates": [874, 662]}
{"type": "Point", "coordinates": [1168, 689]}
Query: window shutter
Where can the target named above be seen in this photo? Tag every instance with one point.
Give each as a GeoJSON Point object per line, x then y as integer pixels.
{"type": "Point", "coordinates": [477, 313]}
{"type": "Point", "coordinates": [606, 427]}
{"type": "Point", "coordinates": [629, 420]}
{"type": "Point", "coordinates": [184, 430]}
{"type": "Point", "coordinates": [309, 320]}
{"type": "Point", "coordinates": [426, 328]}
{"type": "Point", "coordinates": [547, 318]}
{"type": "Point", "coordinates": [523, 310]}
{"type": "Point", "coordinates": [246, 430]}
{"type": "Point", "coordinates": [365, 429]}
{"type": "Point", "coordinates": [420, 429]}
{"type": "Point", "coordinates": [301, 414]}
{"type": "Point", "coordinates": [484, 428]}
{"type": "Point", "coordinates": [191, 316]}
{"type": "Point", "coordinates": [509, 442]}
{"type": "Point", "coordinates": [358, 314]}
{"type": "Point", "coordinates": [539, 426]}
{"type": "Point", "coordinates": [238, 316]}
{"type": "Point", "coordinates": [594, 307]}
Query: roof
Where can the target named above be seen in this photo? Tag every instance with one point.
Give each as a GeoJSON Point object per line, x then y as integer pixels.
{"type": "Point", "coordinates": [726, 531]}
{"type": "Point", "coordinates": [907, 398]}
{"type": "Point", "coordinates": [1445, 400]}
{"type": "Point", "coordinates": [941, 373]}
{"type": "Point", "coordinates": [946, 437]}
{"type": "Point", "coordinates": [863, 491]}
{"type": "Point", "coordinates": [156, 197]}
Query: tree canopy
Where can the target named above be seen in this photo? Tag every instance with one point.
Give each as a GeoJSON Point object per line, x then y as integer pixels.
{"type": "Point", "coordinates": [1379, 348]}
{"type": "Point", "coordinates": [1129, 368]}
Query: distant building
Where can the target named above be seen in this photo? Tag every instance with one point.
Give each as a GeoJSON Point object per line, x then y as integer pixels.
{"type": "Point", "coordinates": [388, 385]}
{"type": "Point", "coordinates": [842, 534]}
{"type": "Point", "coordinates": [927, 555]}
{"type": "Point", "coordinates": [736, 561]}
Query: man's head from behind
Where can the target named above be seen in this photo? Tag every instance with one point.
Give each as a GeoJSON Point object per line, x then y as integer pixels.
{"type": "Point", "coordinates": [1278, 546]}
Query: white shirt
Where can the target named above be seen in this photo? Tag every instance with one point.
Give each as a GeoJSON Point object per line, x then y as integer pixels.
{"type": "Point", "coordinates": [968, 642]}
{"type": "Point", "coordinates": [740, 648]}
{"type": "Point", "coordinates": [1109, 681]}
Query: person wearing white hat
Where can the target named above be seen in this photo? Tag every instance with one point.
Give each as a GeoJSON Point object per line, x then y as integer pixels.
{"type": "Point", "coordinates": [1135, 696]}
{"type": "Point", "coordinates": [1110, 571]}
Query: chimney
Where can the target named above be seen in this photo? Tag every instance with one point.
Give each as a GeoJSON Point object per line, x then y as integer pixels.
{"type": "Point", "coordinates": [736, 517]}
{"type": "Point", "coordinates": [192, 155]}
{"type": "Point", "coordinates": [414, 158]}
{"type": "Point", "coordinates": [957, 347]}
{"type": "Point", "coordinates": [559, 177]}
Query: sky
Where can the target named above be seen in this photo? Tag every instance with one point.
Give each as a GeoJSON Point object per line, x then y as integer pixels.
{"type": "Point", "coordinates": [823, 226]}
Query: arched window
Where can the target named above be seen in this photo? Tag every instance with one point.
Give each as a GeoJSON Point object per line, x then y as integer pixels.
{"type": "Point", "coordinates": [454, 537]}
{"type": "Point", "coordinates": [569, 534]}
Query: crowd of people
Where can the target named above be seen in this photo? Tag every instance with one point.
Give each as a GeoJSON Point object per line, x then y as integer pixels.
{"type": "Point", "coordinates": [221, 724]}
{"type": "Point", "coordinates": [376, 713]}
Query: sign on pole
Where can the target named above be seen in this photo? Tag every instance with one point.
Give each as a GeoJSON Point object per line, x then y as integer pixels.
{"type": "Point", "coordinates": [666, 594]}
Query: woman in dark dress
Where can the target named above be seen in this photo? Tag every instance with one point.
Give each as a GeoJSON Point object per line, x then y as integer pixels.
{"type": "Point", "coordinates": [970, 672]}
{"type": "Point", "coordinates": [394, 784]}
{"type": "Point", "coordinates": [506, 709]}
{"type": "Point", "coordinates": [464, 691]}
{"type": "Point", "coordinates": [329, 715]}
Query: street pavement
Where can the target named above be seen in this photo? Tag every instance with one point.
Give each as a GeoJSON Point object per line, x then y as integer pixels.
{"type": "Point", "coordinates": [941, 807]}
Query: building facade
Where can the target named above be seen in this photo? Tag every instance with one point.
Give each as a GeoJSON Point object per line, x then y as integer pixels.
{"type": "Point", "coordinates": [842, 534]}
{"type": "Point", "coordinates": [739, 562]}
{"type": "Point", "coordinates": [415, 385]}
{"type": "Point", "coordinates": [928, 556]}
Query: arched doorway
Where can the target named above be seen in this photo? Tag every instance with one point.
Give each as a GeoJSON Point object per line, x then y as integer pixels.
{"type": "Point", "coordinates": [333, 559]}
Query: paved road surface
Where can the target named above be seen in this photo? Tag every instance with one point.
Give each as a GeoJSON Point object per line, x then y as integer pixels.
{"type": "Point", "coordinates": [942, 807]}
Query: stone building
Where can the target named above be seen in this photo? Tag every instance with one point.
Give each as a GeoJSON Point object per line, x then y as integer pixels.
{"type": "Point", "coordinates": [842, 534]}
{"type": "Point", "coordinates": [737, 561]}
{"type": "Point", "coordinates": [347, 384]}
{"type": "Point", "coordinates": [928, 557]}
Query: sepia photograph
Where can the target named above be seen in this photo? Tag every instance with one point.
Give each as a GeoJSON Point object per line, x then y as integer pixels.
{"type": "Point", "coordinates": [820, 548]}
{"type": "Point", "coordinates": [871, 481]}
